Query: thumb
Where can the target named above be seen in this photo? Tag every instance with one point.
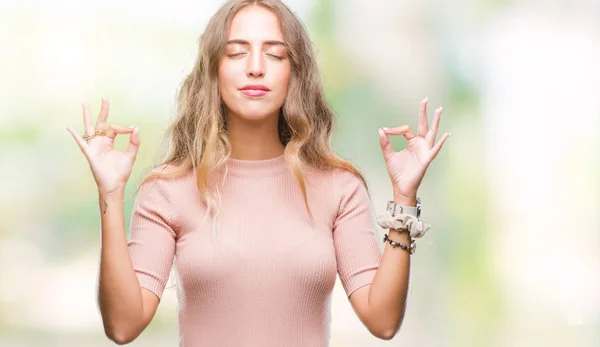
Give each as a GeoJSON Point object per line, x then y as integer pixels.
{"type": "Point", "coordinates": [134, 142]}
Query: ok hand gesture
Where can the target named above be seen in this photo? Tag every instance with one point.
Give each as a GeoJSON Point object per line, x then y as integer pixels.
{"type": "Point", "coordinates": [111, 168]}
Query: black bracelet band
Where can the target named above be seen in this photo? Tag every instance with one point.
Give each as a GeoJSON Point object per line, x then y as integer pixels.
{"type": "Point", "coordinates": [410, 249]}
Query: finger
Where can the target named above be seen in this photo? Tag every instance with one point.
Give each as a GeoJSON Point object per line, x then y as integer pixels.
{"type": "Point", "coordinates": [402, 130]}
{"type": "Point", "coordinates": [384, 141]}
{"type": "Point", "coordinates": [87, 119]}
{"type": "Point", "coordinates": [80, 141]}
{"type": "Point", "coordinates": [432, 133]}
{"type": "Point", "coordinates": [134, 143]}
{"type": "Point", "coordinates": [103, 116]}
{"type": "Point", "coordinates": [423, 127]}
{"type": "Point", "coordinates": [436, 149]}
{"type": "Point", "coordinates": [115, 129]}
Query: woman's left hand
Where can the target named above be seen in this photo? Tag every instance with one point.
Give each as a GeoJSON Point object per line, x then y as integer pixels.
{"type": "Point", "coordinates": [407, 167]}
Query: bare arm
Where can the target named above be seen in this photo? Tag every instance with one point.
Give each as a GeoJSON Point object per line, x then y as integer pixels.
{"type": "Point", "coordinates": [382, 304]}
{"type": "Point", "coordinates": [126, 308]}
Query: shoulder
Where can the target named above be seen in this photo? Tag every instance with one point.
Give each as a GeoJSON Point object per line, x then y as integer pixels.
{"type": "Point", "coordinates": [345, 184]}
{"type": "Point", "coordinates": [346, 181]}
{"type": "Point", "coordinates": [172, 170]}
{"type": "Point", "coordinates": [338, 176]}
{"type": "Point", "coordinates": [160, 192]}
{"type": "Point", "coordinates": [346, 176]}
{"type": "Point", "coordinates": [168, 173]}
{"type": "Point", "coordinates": [352, 195]}
{"type": "Point", "coordinates": [162, 180]}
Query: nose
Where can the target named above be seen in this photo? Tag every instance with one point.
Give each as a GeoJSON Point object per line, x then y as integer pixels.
{"type": "Point", "coordinates": [256, 66]}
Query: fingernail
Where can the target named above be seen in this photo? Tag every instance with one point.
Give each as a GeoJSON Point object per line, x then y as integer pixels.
{"type": "Point", "coordinates": [131, 126]}
{"type": "Point", "coordinates": [104, 98]}
{"type": "Point", "coordinates": [384, 128]}
{"type": "Point", "coordinates": [425, 100]}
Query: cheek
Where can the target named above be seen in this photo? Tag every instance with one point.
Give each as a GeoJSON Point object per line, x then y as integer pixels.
{"type": "Point", "coordinates": [225, 80]}
{"type": "Point", "coordinates": [227, 84]}
{"type": "Point", "coordinates": [283, 77]}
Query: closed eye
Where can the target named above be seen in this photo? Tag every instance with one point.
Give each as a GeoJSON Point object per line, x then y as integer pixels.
{"type": "Point", "coordinates": [275, 56]}
{"type": "Point", "coordinates": [278, 57]}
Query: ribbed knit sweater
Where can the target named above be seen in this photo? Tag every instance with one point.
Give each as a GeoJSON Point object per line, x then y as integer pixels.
{"type": "Point", "coordinates": [267, 276]}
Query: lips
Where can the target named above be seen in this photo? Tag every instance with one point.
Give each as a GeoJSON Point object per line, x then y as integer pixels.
{"type": "Point", "coordinates": [255, 90]}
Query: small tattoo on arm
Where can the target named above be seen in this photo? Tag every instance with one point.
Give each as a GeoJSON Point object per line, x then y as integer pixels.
{"type": "Point", "coordinates": [105, 207]}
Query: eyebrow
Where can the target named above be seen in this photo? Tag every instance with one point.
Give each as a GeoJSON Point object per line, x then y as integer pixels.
{"type": "Point", "coordinates": [244, 42]}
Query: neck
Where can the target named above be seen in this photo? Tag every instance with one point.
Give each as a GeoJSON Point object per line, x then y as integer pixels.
{"type": "Point", "coordinates": [254, 139]}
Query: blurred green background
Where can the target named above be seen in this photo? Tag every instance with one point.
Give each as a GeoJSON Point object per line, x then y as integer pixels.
{"type": "Point", "coordinates": [513, 197]}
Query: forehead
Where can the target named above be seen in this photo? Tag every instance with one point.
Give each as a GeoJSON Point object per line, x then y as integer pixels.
{"type": "Point", "coordinates": [255, 23]}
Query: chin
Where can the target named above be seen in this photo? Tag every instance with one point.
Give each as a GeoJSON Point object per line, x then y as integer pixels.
{"type": "Point", "coordinates": [252, 113]}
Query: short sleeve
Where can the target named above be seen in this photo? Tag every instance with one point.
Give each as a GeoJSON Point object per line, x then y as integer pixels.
{"type": "Point", "coordinates": [152, 236]}
{"type": "Point", "coordinates": [357, 254]}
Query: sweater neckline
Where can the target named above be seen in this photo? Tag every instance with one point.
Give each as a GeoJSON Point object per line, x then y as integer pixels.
{"type": "Point", "coordinates": [256, 168]}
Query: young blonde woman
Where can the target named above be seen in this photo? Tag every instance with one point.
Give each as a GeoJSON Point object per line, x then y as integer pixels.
{"type": "Point", "coordinates": [258, 210]}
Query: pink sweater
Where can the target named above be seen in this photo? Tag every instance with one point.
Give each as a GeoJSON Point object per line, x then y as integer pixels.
{"type": "Point", "coordinates": [269, 281]}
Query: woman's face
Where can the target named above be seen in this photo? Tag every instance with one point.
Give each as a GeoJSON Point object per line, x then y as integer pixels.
{"type": "Point", "coordinates": [255, 70]}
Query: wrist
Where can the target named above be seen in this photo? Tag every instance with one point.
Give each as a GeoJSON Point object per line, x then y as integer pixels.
{"type": "Point", "coordinates": [405, 200]}
{"type": "Point", "coordinates": [115, 195]}
{"type": "Point", "coordinates": [400, 235]}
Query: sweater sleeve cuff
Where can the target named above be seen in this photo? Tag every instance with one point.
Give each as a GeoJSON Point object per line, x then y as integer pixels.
{"type": "Point", "coordinates": [360, 280]}
{"type": "Point", "coordinates": [151, 283]}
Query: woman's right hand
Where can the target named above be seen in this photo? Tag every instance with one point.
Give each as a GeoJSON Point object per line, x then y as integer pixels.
{"type": "Point", "coordinates": [111, 168]}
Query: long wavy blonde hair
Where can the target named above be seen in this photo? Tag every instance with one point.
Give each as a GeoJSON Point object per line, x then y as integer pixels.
{"type": "Point", "coordinates": [198, 138]}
